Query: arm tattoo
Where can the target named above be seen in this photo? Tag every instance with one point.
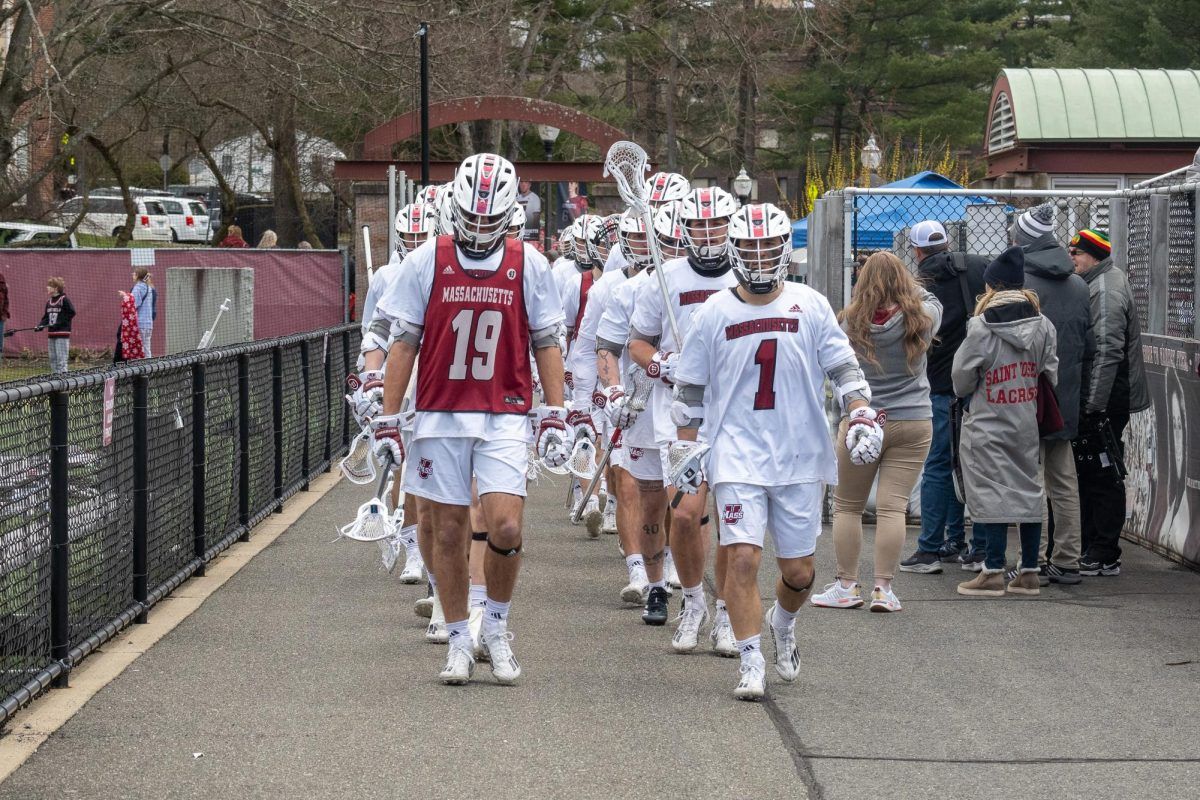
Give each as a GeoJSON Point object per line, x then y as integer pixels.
{"type": "Point", "coordinates": [607, 368]}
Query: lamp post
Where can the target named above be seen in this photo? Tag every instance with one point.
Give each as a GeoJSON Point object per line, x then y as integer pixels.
{"type": "Point", "coordinates": [871, 157]}
{"type": "Point", "coordinates": [743, 186]}
{"type": "Point", "coordinates": [423, 35]}
{"type": "Point", "coordinates": [548, 134]}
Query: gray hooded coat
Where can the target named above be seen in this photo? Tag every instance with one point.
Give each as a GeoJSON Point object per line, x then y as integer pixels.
{"type": "Point", "coordinates": [896, 387]}
{"type": "Point", "coordinates": [997, 366]}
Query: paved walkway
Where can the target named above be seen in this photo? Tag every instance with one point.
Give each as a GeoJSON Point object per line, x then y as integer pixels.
{"type": "Point", "coordinates": [306, 677]}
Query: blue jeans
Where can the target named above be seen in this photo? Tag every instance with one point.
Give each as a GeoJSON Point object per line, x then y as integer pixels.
{"type": "Point", "coordinates": [995, 535]}
{"type": "Point", "coordinates": [941, 513]}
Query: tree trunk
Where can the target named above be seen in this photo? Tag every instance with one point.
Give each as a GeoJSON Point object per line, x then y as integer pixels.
{"type": "Point", "coordinates": [229, 204]}
{"type": "Point", "coordinates": [747, 126]}
{"type": "Point", "coordinates": [288, 201]}
{"type": "Point", "coordinates": [114, 164]}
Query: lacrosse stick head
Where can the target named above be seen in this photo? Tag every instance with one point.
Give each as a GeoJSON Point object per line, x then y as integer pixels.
{"type": "Point", "coordinates": [627, 164]}
{"type": "Point", "coordinates": [640, 386]}
{"type": "Point", "coordinates": [685, 460]}
{"type": "Point", "coordinates": [359, 466]}
{"type": "Point", "coordinates": [582, 463]}
{"type": "Point", "coordinates": [542, 466]}
{"type": "Point", "coordinates": [371, 524]}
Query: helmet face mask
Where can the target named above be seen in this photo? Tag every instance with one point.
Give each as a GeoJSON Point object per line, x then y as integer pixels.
{"type": "Point", "coordinates": [485, 192]}
{"type": "Point", "coordinates": [516, 225]}
{"type": "Point", "coordinates": [705, 215]}
{"type": "Point", "coordinates": [760, 247]}
{"type": "Point", "coordinates": [633, 241]}
{"type": "Point", "coordinates": [591, 242]}
{"type": "Point", "coordinates": [415, 223]}
{"type": "Point", "coordinates": [566, 243]}
{"type": "Point", "coordinates": [668, 232]}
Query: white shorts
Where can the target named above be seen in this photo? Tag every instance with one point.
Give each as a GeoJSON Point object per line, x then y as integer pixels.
{"type": "Point", "coordinates": [440, 469]}
{"type": "Point", "coordinates": [643, 463]}
{"type": "Point", "coordinates": [792, 513]}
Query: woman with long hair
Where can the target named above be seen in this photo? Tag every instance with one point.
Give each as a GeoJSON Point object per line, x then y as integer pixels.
{"type": "Point", "coordinates": [145, 300]}
{"type": "Point", "coordinates": [890, 321]}
{"type": "Point", "coordinates": [1009, 345]}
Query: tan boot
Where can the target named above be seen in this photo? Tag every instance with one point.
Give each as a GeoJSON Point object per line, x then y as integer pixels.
{"type": "Point", "coordinates": [1026, 583]}
{"type": "Point", "coordinates": [988, 583]}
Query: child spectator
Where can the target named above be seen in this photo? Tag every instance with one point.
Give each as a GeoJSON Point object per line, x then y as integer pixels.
{"type": "Point", "coordinates": [57, 319]}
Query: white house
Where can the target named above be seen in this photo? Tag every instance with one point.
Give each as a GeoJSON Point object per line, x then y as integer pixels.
{"type": "Point", "coordinates": [246, 164]}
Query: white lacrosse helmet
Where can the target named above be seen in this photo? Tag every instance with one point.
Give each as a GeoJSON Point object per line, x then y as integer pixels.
{"type": "Point", "coordinates": [517, 224]}
{"type": "Point", "coordinates": [589, 237]}
{"type": "Point", "coordinates": [631, 233]}
{"type": "Point", "coordinates": [445, 212]}
{"type": "Point", "coordinates": [429, 194]}
{"type": "Point", "coordinates": [665, 187]}
{"type": "Point", "coordinates": [566, 242]}
{"type": "Point", "coordinates": [669, 231]}
{"type": "Point", "coordinates": [704, 215]}
{"type": "Point", "coordinates": [760, 246]}
{"type": "Point", "coordinates": [485, 194]}
{"type": "Point", "coordinates": [414, 224]}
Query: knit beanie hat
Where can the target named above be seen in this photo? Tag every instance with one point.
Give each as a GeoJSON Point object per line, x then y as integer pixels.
{"type": "Point", "coordinates": [1007, 271]}
{"type": "Point", "coordinates": [1093, 242]}
{"type": "Point", "coordinates": [1035, 223]}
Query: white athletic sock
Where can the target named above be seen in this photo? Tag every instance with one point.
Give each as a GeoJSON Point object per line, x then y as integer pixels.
{"type": "Point", "coordinates": [751, 648]}
{"type": "Point", "coordinates": [694, 595]}
{"type": "Point", "coordinates": [658, 584]}
{"type": "Point", "coordinates": [781, 618]}
{"type": "Point", "coordinates": [432, 580]}
{"type": "Point", "coordinates": [408, 535]}
{"type": "Point", "coordinates": [667, 554]}
{"type": "Point", "coordinates": [722, 612]}
{"type": "Point", "coordinates": [635, 565]}
{"type": "Point", "coordinates": [478, 596]}
{"type": "Point", "coordinates": [495, 616]}
{"type": "Point", "coordinates": [460, 634]}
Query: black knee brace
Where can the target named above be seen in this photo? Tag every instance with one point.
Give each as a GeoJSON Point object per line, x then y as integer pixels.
{"type": "Point", "coordinates": [704, 520]}
{"type": "Point", "coordinates": [479, 536]}
{"type": "Point", "coordinates": [799, 590]}
{"type": "Point", "coordinates": [506, 552]}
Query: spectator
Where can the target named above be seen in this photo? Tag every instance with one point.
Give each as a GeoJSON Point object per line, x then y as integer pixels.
{"type": "Point", "coordinates": [1063, 297]}
{"type": "Point", "coordinates": [58, 316]}
{"type": "Point", "coordinates": [1009, 345]}
{"type": "Point", "coordinates": [130, 342]}
{"type": "Point", "coordinates": [269, 241]}
{"type": "Point", "coordinates": [890, 323]}
{"type": "Point", "coordinates": [1115, 389]}
{"type": "Point", "coordinates": [304, 245]}
{"type": "Point", "coordinates": [3, 310]}
{"type": "Point", "coordinates": [233, 238]}
{"type": "Point", "coordinates": [532, 204]}
{"type": "Point", "coordinates": [956, 280]}
{"type": "Point", "coordinates": [145, 301]}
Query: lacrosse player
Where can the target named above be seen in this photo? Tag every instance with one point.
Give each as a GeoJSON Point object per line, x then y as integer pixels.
{"type": "Point", "coordinates": [706, 269]}
{"type": "Point", "coordinates": [473, 303]}
{"type": "Point", "coordinates": [751, 380]}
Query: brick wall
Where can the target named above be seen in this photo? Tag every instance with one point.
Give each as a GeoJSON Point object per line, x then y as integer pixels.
{"type": "Point", "coordinates": [370, 208]}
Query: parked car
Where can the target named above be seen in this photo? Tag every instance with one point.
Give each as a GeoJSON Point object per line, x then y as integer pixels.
{"type": "Point", "coordinates": [188, 219]}
{"type": "Point", "coordinates": [28, 234]}
{"type": "Point", "coordinates": [106, 216]}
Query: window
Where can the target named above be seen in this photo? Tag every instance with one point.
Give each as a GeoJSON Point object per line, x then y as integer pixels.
{"type": "Point", "coordinates": [227, 164]}
{"type": "Point", "coordinates": [108, 205]}
{"type": "Point", "coordinates": [1002, 132]}
{"type": "Point", "coordinates": [198, 209]}
{"type": "Point", "coordinates": [173, 207]}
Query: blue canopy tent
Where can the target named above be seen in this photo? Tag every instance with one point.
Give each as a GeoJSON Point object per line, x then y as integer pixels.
{"type": "Point", "coordinates": [879, 217]}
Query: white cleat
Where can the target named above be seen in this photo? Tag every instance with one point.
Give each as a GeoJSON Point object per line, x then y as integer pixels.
{"type": "Point", "coordinates": [722, 638]}
{"type": "Point", "coordinates": [576, 496]}
{"type": "Point", "coordinates": [610, 517]}
{"type": "Point", "coordinates": [499, 651]}
{"type": "Point", "coordinates": [436, 632]}
{"type": "Point", "coordinates": [671, 575]}
{"type": "Point", "coordinates": [459, 667]}
{"type": "Point", "coordinates": [424, 607]}
{"type": "Point", "coordinates": [838, 596]}
{"type": "Point", "coordinates": [787, 657]}
{"type": "Point", "coordinates": [635, 592]}
{"type": "Point", "coordinates": [753, 684]}
{"type": "Point", "coordinates": [388, 552]}
{"type": "Point", "coordinates": [475, 626]}
{"type": "Point", "coordinates": [593, 518]}
{"type": "Point", "coordinates": [414, 569]}
{"type": "Point", "coordinates": [687, 635]}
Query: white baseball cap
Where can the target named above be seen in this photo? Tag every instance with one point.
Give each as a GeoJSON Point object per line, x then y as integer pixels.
{"type": "Point", "coordinates": [927, 233]}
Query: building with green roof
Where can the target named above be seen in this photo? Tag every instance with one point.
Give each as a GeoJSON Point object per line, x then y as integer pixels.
{"type": "Point", "coordinates": [1090, 128]}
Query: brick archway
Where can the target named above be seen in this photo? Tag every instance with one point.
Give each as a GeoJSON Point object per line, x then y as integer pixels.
{"type": "Point", "coordinates": [377, 144]}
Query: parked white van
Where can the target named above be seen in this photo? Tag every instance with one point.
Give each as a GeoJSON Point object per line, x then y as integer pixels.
{"type": "Point", "coordinates": [106, 216]}
{"type": "Point", "coordinates": [28, 234]}
{"type": "Point", "coordinates": [188, 218]}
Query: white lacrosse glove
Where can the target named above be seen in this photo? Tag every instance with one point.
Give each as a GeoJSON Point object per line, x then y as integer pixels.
{"type": "Point", "coordinates": [569, 380]}
{"type": "Point", "coordinates": [687, 465]}
{"type": "Point", "coordinates": [662, 367]}
{"type": "Point", "coordinates": [389, 447]}
{"type": "Point", "coordinates": [582, 425]}
{"type": "Point", "coordinates": [555, 439]}
{"type": "Point", "coordinates": [366, 395]}
{"type": "Point", "coordinates": [615, 403]}
{"type": "Point", "coordinates": [864, 435]}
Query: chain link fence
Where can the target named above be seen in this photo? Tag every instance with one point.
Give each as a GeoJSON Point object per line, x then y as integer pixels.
{"type": "Point", "coordinates": [118, 484]}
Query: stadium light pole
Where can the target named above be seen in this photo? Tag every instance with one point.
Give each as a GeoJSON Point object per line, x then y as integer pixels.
{"type": "Point", "coordinates": [548, 135]}
{"type": "Point", "coordinates": [423, 35]}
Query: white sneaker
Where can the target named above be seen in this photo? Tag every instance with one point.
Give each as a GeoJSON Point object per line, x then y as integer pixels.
{"type": "Point", "coordinates": [884, 600]}
{"type": "Point", "coordinates": [722, 638]}
{"type": "Point", "coordinates": [459, 667]}
{"type": "Point", "coordinates": [414, 569]}
{"type": "Point", "coordinates": [838, 596]}
{"type": "Point", "coordinates": [610, 517]}
{"type": "Point", "coordinates": [436, 632]}
{"type": "Point", "coordinates": [593, 518]}
{"type": "Point", "coordinates": [424, 607]}
{"type": "Point", "coordinates": [671, 575]}
{"type": "Point", "coordinates": [753, 684]}
{"type": "Point", "coordinates": [687, 635]}
{"type": "Point", "coordinates": [504, 664]}
{"type": "Point", "coordinates": [636, 591]}
{"type": "Point", "coordinates": [475, 626]}
{"type": "Point", "coordinates": [576, 496]}
{"type": "Point", "coordinates": [787, 657]}
{"type": "Point", "coordinates": [388, 553]}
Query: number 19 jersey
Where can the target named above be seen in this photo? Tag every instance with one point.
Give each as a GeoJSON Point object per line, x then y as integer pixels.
{"type": "Point", "coordinates": [764, 368]}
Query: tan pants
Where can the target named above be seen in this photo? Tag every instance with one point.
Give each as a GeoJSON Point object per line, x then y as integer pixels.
{"type": "Point", "coordinates": [905, 445]}
{"type": "Point", "coordinates": [1058, 476]}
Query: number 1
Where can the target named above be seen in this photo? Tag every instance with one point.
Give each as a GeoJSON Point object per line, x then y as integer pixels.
{"type": "Point", "coordinates": [764, 357]}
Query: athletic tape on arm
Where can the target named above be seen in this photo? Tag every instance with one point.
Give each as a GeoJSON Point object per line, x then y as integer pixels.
{"type": "Point", "coordinates": [546, 337]}
{"type": "Point", "coordinates": [849, 383]}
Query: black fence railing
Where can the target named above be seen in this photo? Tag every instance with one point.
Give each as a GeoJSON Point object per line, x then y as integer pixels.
{"type": "Point", "coordinates": [117, 485]}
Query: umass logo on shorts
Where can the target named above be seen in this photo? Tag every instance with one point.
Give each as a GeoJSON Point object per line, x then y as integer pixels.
{"type": "Point", "coordinates": [425, 468]}
{"type": "Point", "coordinates": [636, 453]}
{"type": "Point", "coordinates": [733, 513]}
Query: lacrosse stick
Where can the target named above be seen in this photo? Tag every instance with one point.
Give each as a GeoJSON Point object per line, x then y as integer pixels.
{"type": "Point", "coordinates": [358, 466]}
{"type": "Point", "coordinates": [366, 232]}
{"type": "Point", "coordinates": [373, 521]}
{"type": "Point", "coordinates": [17, 330]}
{"type": "Point", "coordinates": [533, 454]}
{"type": "Point", "coordinates": [582, 463]}
{"type": "Point", "coordinates": [678, 457]}
{"type": "Point", "coordinates": [626, 164]}
{"type": "Point", "coordinates": [642, 386]}
{"type": "Point", "coordinates": [207, 338]}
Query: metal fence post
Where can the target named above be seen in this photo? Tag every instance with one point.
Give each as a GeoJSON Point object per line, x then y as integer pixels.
{"type": "Point", "coordinates": [1160, 250]}
{"type": "Point", "coordinates": [243, 379]}
{"type": "Point", "coordinates": [1195, 260]}
{"type": "Point", "coordinates": [305, 451]}
{"type": "Point", "coordinates": [345, 285]}
{"type": "Point", "coordinates": [141, 487]}
{"type": "Point", "coordinates": [277, 398]}
{"type": "Point", "coordinates": [1118, 232]}
{"type": "Point", "coordinates": [833, 247]}
{"type": "Point", "coordinates": [347, 363]}
{"type": "Point", "coordinates": [329, 401]}
{"type": "Point", "coordinates": [816, 246]}
{"type": "Point", "coordinates": [199, 460]}
{"type": "Point", "coordinates": [60, 564]}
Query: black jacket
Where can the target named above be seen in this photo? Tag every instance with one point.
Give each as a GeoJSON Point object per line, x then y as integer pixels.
{"type": "Point", "coordinates": [58, 316]}
{"type": "Point", "coordinates": [1117, 380]}
{"type": "Point", "coordinates": [940, 275]}
{"type": "Point", "coordinates": [1064, 299]}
